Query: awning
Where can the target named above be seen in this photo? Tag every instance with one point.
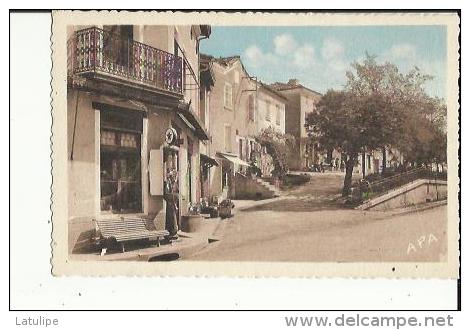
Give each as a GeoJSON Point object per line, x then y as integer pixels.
{"type": "Point", "coordinates": [233, 159]}
{"type": "Point", "coordinates": [105, 102]}
{"type": "Point", "coordinates": [209, 160]}
{"type": "Point", "coordinates": [191, 120]}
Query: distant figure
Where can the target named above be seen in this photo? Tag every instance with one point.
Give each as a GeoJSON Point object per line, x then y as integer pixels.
{"type": "Point", "coordinates": [364, 186]}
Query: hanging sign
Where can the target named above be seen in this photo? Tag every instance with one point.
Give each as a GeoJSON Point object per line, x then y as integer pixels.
{"type": "Point", "coordinates": [171, 136]}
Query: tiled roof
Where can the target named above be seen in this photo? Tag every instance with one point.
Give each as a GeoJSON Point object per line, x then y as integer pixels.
{"type": "Point", "coordinates": [221, 60]}
{"type": "Point", "coordinates": [272, 90]}
{"type": "Point", "coordinates": [292, 84]}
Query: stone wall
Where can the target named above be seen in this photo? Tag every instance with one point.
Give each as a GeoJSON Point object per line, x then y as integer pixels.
{"type": "Point", "coordinates": [248, 188]}
{"type": "Point", "coordinates": [417, 192]}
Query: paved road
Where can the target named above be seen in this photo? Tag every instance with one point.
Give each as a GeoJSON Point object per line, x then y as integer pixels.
{"type": "Point", "coordinates": [308, 225]}
{"type": "Point", "coordinates": [321, 193]}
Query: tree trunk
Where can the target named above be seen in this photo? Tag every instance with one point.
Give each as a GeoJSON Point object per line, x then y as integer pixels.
{"type": "Point", "coordinates": [363, 164]}
{"type": "Point", "coordinates": [384, 159]}
{"type": "Point", "coordinates": [329, 156]}
{"type": "Point", "coordinates": [348, 176]}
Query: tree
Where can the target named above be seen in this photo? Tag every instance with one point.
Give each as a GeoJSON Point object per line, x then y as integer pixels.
{"type": "Point", "coordinates": [278, 146]}
{"type": "Point", "coordinates": [352, 123]}
{"type": "Point", "coordinates": [403, 93]}
{"type": "Point", "coordinates": [380, 107]}
{"type": "Point", "coordinates": [425, 141]}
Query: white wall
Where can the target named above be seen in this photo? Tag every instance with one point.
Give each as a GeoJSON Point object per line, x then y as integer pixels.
{"type": "Point", "coordinates": [265, 99]}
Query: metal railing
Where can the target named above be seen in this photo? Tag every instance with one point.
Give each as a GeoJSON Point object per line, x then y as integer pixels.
{"type": "Point", "coordinates": [94, 50]}
{"type": "Point", "coordinates": [365, 190]}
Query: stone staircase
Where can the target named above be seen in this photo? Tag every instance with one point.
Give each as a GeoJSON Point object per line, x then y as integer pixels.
{"type": "Point", "coordinates": [247, 187]}
{"type": "Point", "coordinates": [269, 186]}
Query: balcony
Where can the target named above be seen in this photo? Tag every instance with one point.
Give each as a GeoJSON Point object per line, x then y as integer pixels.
{"type": "Point", "coordinates": [94, 51]}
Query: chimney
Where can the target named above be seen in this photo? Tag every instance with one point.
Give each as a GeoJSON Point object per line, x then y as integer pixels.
{"type": "Point", "coordinates": [293, 82]}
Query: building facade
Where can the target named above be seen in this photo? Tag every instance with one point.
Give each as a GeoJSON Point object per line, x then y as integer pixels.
{"type": "Point", "coordinates": [134, 122]}
{"type": "Point", "coordinates": [300, 101]}
{"type": "Point", "coordinates": [371, 162]}
{"type": "Point", "coordinates": [240, 107]}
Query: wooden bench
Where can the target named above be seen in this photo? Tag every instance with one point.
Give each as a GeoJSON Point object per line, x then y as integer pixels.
{"type": "Point", "coordinates": [128, 229]}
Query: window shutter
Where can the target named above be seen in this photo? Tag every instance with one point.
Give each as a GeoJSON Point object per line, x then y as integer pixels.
{"type": "Point", "coordinates": [156, 171]}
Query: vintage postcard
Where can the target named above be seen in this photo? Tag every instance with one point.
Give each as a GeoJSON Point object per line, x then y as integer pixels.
{"type": "Point", "coordinates": [255, 144]}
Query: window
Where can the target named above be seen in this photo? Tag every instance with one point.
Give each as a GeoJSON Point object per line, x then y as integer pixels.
{"type": "Point", "coordinates": [228, 138]}
{"type": "Point", "coordinates": [120, 172]}
{"type": "Point", "coordinates": [240, 148]}
{"type": "Point", "coordinates": [268, 112]}
{"type": "Point", "coordinates": [228, 97]}
{"type": "Point", "coordinates": [251, 108]}
{"type": "Point", "coordinates": [117, 44]}
{"type": "Point", "coordinates": [278, 115]}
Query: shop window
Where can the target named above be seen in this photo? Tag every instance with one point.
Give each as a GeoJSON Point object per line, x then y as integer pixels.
{"type": "Point", "coordinates": [120, 162]}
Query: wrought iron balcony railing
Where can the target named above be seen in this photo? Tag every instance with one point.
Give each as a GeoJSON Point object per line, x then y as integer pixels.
{"type": "Point", "coordinates": [94, 50]}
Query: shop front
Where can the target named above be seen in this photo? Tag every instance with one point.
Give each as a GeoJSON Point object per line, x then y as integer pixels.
{"type": "Point", "coordinates": [122, 165]}
{"type": "Point", "coordinates": [231, 164]}
{"type": "Point", "coordinates": [120, 162]}
{"type": "Point", "coordinates": [207, 163]}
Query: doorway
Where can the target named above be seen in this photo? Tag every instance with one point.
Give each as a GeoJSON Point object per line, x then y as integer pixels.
{"type": "Point", "coordinates": [120, 162]}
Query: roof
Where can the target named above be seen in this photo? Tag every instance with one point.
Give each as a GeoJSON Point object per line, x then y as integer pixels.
{"type": "Point", "coordinates": [292, 84]}
{"type": "Point", "coordinates": [272, 90]}
{"type": "Point", "coordinates": [225, 61]}
{"type": "Point", "coordinates": [230, 60]}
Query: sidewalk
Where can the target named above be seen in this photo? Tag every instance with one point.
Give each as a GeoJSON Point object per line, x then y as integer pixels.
{"type": "Point", "coordinates": [243, 204]}
{"type": "Point", "coordinates": [187, 244]}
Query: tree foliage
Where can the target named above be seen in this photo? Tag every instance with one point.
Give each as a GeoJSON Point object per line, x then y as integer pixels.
{"type": "Point", "coordinates": [278, 146]}
{"type": "Point", "coordinates": [381, 106]}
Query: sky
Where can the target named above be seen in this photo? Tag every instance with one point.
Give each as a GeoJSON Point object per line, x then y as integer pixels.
{"type": "Point", "coordinates": [319, 56]}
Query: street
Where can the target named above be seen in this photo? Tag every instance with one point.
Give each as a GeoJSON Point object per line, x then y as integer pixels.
{"type": "Point", "coordinates": [307, 224]}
